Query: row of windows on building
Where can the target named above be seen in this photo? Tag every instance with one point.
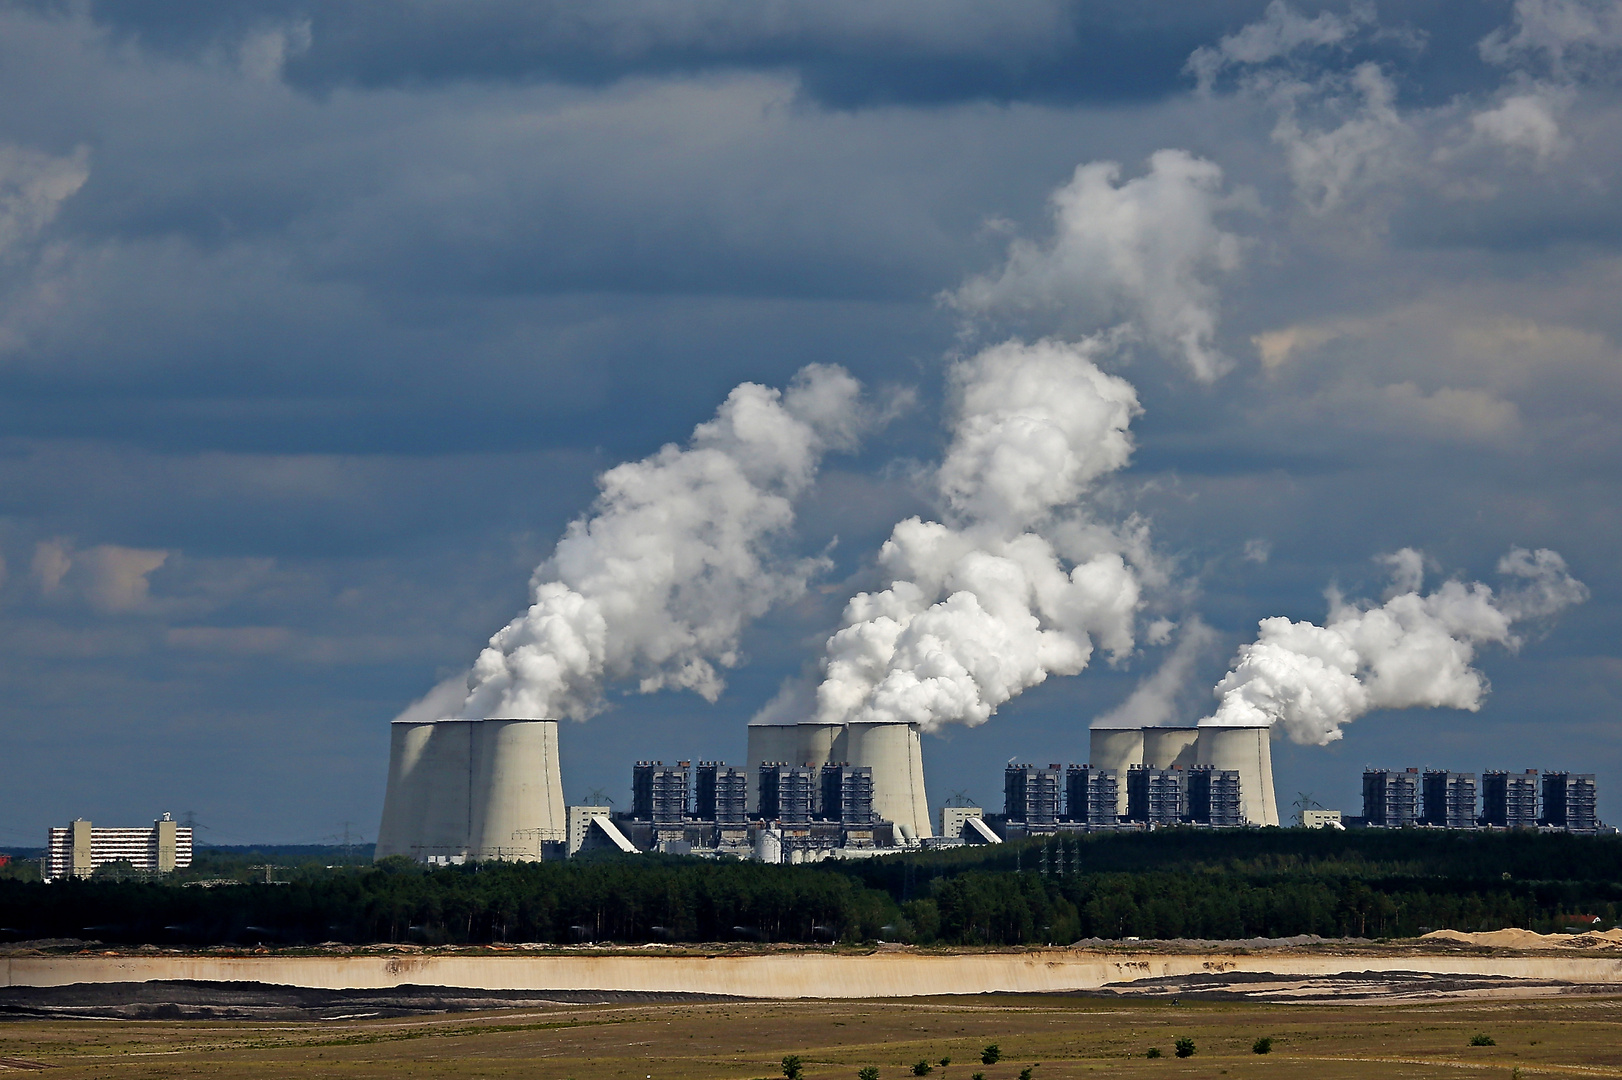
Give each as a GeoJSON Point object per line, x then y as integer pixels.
{"type": "Point", "coordinates": [1394, 798]}
{"type": "Point", "coordinates": [1082, 795]}
{"type": "Point", "coordinates": [715, 793]}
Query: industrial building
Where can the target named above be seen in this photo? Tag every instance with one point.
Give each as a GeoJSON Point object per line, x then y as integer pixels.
{"type": "Point", "coordinates": [659, 792]}
{"type": "Point", "coordinates": [1091, 796]}
{"type": "Point", "coordinates": [1569, 802]}
{"type": "Point", "coordinates": [1390, 798]}
{"type": "Point", "coordinates": [964, 824]}
{"type": "Point", "coordinates": [1447, 799]}
{"type": "Point", "coordinates": [76, 851]}
{"type": "Point", "coordinates": [1508, 800]}
{"type": "Point", "coordinates": [1031, 796]}
{"type": "Point", "coordinates": [1199, 794]}
{"type": "Point", "coordinates": [811, 813]}
{"type": "Point", "coordinates": [721, 794]}
{"type": "Point", "coordinates": [1214, 797]}
{"type": "Point", "coordinates": [1154, 796]}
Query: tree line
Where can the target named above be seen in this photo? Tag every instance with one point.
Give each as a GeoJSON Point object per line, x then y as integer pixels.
{"type": "Point", "coordinates": [1171, 883]}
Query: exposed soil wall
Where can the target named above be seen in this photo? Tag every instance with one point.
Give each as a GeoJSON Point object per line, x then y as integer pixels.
{"type": "Point", "coordinates": [783, 975]}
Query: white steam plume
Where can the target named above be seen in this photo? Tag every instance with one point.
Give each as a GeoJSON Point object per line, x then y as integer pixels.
{"type": "Point", "coordinates": [1144, 251]}
{"type": "Point", "coordinates": [658, 581]}
{"type": "Point", "coordinates": [1018, 586]}
{"type": "Point", "coordinates": [1155, 700]}
{"type": "Point", "coordinates": [1413, 650]}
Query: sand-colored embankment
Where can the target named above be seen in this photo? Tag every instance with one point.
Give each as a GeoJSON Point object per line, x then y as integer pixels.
{"type": "Point", "coordinates": [1512, 938]}
{"type": "Point", "coordinates": [775, 975]}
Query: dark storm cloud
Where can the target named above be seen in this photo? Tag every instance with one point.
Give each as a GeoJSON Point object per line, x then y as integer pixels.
{"type": "Point", "coordinates": [846, 54]}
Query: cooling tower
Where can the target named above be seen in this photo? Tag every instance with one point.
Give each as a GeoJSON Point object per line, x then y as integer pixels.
{"type": "Point", "coordinates": [471, 789]}
{"type": "Point", "coordinates": [1248, 750]}
{"type": "Point", "coordinates": [769, 742]}
{"type": "Point", "coordinates": [517, 789]}
{"type": "Point", "coordinates": [403, 798]}
{"type": "Point", "coordinates": [818, 744]}
{"type": "Point", "coordinates": [1165, 747]}
{"type": "Point", "coordinates": [895, 754]}
{"type": "Point", "coordinates": [1116, 749]}
{"type": "Point", "coordinates": [433, 818]}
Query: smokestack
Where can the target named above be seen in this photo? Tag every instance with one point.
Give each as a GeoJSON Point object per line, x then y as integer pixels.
{"type": "Point", "coordinates": [1169, 747]}
{"type": "Point", "coordinates": [1116, 749]}
{"type": "Point", "coordinates": [471, 789]}
{"type": "Point", "coordinates": [895, 754]}
{"type": "Point", "coordinates": [1248, 751]}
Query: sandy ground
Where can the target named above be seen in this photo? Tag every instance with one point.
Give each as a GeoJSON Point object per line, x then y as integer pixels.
{"type": "Point", "coordinates": [1526, 939]}
{"type": "Point", "coordinates": [1441, 965]}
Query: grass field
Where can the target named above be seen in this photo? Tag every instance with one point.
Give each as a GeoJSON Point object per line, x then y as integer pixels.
{"type": "Point", "coordinates": [1055, 1037]}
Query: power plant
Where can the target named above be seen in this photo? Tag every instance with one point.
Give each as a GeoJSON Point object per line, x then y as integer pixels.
{"type": "Point", "coordinates": [470, 790]}
{"type": "Point", "coordinates": [1245, 751]}
{"type": "Point", "coordinates": [894, 753]}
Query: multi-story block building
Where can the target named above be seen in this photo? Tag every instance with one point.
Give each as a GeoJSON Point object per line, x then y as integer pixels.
{"type": "Point", "coordinates": [76, 851]}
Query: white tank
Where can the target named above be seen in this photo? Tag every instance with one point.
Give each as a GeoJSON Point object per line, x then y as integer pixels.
{"type": "Point", "coordinates": [768, 846]}
{"type": "Point", "coordinates": [1116, 749]}
{"type": "Point", "coordinates": [895, 754]}
{"type": "Point", "coordinates": [1166, 747]}
{"type": "Point", "coordinates": [1248, 751]}
{"type": "Point", "coordinates": [517, 789]}
{"type": "Point", "coordinates": [769, 742]}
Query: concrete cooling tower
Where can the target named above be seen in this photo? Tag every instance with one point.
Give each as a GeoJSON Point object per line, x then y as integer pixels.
{"type": "Point", "coordinates": [473, 789]}
{"type": "Point", "coordinates": [1116, 749]}
{"type": "Point", "coordinates": [818, 744]}
{"type": "Point", "coordinates": [1168, 747]}
{"type": "Point", "coordinates": [1247, 750]}
{"type": "Point", "coordinates": [769, 742]}
{"type": "Point", "coordinates": [895, 754]}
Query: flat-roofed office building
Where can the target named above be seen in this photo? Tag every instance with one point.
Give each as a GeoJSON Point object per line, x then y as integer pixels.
{"type": "Point", "coordinates": [76, 851]}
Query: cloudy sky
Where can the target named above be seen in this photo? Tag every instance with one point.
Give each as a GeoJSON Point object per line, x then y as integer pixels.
{"type": "Point", "coordinates": [318, 323]}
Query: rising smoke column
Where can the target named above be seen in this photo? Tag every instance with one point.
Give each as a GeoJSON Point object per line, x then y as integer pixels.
{"type": "Point", "coordinates": [657, 582]}
{"type": "Point", "coordinates": [1145, 251]}
{"type": "Point", "coordinates": [1016, 584]}
{"type": "Point", "coordinates": [1413, 650]}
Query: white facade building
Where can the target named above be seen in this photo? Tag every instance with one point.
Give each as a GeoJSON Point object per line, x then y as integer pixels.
{"type": "Point", "coordinates": [77, 850]}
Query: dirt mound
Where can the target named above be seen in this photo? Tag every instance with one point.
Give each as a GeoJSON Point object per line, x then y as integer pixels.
{"type": "Point", "coordinates": [1526, 939]}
